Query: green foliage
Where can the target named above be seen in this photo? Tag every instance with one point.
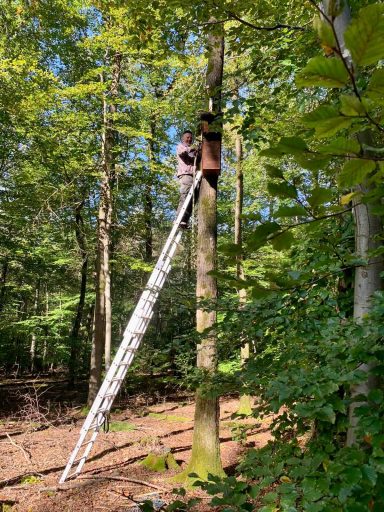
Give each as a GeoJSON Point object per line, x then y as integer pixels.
{"type": "Point", "coordinates": [364, 36]}
{"type": "Point", "coordinates": [326, 121]}
{"type": "Point", "coordinates": [121, 426]}
{"type": "Point", "coordinates": [323, 72]}
{"type": "Point", "coordinates": [31, 479]}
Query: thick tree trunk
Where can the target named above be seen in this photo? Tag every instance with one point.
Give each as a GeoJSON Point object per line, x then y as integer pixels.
{"type": "Point", "coordinates": [74, 337]}
{"type": "Point", "coordinates": [367, 282]}
{"type": "Point", "coordinates": [103, 306]}
{"type": "Point", "coordinates": [206, 444]}
{"type": "Point", "coordinates": [367, 227]}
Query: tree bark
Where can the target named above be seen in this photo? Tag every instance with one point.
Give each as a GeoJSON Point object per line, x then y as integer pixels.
{"type": "Point", "coordinates": [3, 281]}
{"type": "Point", "coordinates": [245, 405]}
{"type": "Point", "coordinates": [148, 203]}
{"type": "Point", "coordinates": [32, 350]}
{"type": "Point", "coordinates": [74, 337]}
{"type": "Point", "coordinates": [103, 307]}
{"type": "Point", "coordinates": [205, 457]}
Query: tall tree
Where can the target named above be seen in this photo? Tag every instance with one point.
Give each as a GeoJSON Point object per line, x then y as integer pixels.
{"type": "Point", "coordinates": [368, 226]}
{"type": "Point", "coordinates": [103, 308]}
{"type": "Point", "coordinates": [205, 458]}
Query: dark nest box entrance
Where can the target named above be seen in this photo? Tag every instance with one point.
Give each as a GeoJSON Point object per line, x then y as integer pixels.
{"type": "Point", "coordinates": [211, 143]}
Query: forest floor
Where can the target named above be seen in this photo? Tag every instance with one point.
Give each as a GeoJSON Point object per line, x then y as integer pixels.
{"type": "Point", "coordinates": [40, 426]}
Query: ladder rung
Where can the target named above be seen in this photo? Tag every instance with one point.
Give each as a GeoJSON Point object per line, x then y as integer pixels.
{"type": "Point", "coordinates": [87, 442]}
{"type": "Point", "coordinates": [79, 459]}
{"type": "Point", "coordinates": [101, 411]}
{"type": "Point", "coordinates": [125, 363]}
{"type": "Point", "coordinates": [109, 395]}
{"type": "Point", "coordinates": [70, 475]}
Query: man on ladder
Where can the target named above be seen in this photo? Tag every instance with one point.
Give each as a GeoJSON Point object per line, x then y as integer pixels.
{"type": "Point", "coordinates": [188, 155]}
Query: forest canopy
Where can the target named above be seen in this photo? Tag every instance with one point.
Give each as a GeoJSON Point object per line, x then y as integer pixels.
{"type": "Point", "coordinates": [94, 97]}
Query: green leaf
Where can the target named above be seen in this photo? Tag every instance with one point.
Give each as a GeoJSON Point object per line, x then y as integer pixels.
{"type": "Point", "coordinates": [283, 241]}
{"type": "Point", "coordinates": [341, 146]}
{"type": "Point", "coordinates": [231, 249]}
{"type": "Point", "coordinates": [364, 36]}
{"type": "Point", "coordinates": [274, 172]}
{"type": "Point", "coordinates": [347, 198]}
{"type": "Point", "coordinates": [284, 190]}
{"type": "Point", "coordinates": [355, 171]}
{"type": "Point", "coordinates": [286, 146]}
{"type": "Point", "coordinates": [375, 89]}
{"type": "Point", "coordinates": [292, 145]}
{"type": "Point", "coordinates": [351, 106]}
{"type": "Point", "coordinates": [326, 121]}
{"type": "Point", "coordinates": [291, 211]}
{"type": "Point", "coordinates": [325, 32]}
{"type": "Point", "coordinates": [326, 413]}
{"type": "Point", "coordinates": [323, 72]}
{"type": "Point", "coordinates": [376, 396]}
{"type": "Point", "coordinates": [319, 196]}
{"type": "Point", "coordinates": [369, 474]}
{"type": "Point", "coordinates": [312, 162]}
{"type": "Point", "coordinates": [261, 233]}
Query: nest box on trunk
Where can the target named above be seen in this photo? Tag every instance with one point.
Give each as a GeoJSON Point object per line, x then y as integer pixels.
{"type": "Point", "coordinates": [211, 143]}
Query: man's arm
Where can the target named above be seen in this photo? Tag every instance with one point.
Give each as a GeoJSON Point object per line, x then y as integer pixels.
{"type": "Point", "coordinates": [186, 153]}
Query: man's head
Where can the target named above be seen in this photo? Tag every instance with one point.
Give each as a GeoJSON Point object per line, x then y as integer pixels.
{"type": "Point", "coordinates": [187, 137]}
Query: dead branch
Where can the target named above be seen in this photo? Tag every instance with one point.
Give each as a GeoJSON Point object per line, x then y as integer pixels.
{"type": "Point", "coordinates": [124, 479]}
{"type": "Point", "coordinates": [26, 454]}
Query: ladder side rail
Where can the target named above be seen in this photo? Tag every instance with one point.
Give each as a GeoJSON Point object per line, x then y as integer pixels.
{"type": "Point", "coordinates": [182, 212]}
{"type": "Point", "coordinates": [84, 455]}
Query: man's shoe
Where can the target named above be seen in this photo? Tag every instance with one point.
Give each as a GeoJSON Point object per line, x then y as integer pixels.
{"type": "Point", "coordinates": [184, 225]}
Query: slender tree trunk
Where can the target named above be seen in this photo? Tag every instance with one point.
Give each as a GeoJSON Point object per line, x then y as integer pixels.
{"type": "Point", "coordinates": [148, 203]}
{"type": "Point", "coordinates": [32, 350]}
{"type": "Point", "coordinates": [103, 307]}
{"type": "Point", "coordinates": [367, 227]}
{"type": "Point", "coordinates": [74, 337]}
{"type": "Point", "coordinates": [245, 405]}
{"type": "Point", "coordinates": [205, 457]}
{"type": "Point", "coordinates": [45, 344]}
{"type": "Point", "coordinates": [3, 281]}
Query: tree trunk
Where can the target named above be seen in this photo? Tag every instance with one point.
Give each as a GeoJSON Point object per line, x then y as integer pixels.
{"type": "Point", "coordinates": [3, 281]}
{"type": "Point", "coordinates": [74, 337]}
{"type": "Point", "coordinates": [148, 203]}
{"type": "Point", "coordinates": [45, 344]}
{"type": "Point", "coordinates": [32, 350]}
{"type": "Point", "coordinates": [367, 227]}
{"type": "Point", "coordinates": [367, 282]}
{"type": "Point", "coordinates": [245, 405]}
{"type": "Point", "coordinates": [206, 444]}
{"type": "Point", "coordinates": [103, 307]}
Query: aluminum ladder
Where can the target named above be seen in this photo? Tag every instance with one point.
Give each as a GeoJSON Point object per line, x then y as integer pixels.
{"type": "Point", "coordinates": [132, 338]}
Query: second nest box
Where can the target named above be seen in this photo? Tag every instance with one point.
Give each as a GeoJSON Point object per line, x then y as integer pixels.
{"type": "Point", "coordinates": [211, 143]}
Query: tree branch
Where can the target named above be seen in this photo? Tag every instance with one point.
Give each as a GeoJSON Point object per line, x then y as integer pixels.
{"type": "Point", "coordinates": [257, 27]}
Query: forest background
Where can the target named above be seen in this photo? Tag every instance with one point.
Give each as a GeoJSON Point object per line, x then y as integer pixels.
{"type": "Point", "coordinates": [94, 97]}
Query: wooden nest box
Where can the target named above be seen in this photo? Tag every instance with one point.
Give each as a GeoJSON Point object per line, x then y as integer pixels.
{"type": "Point", "coordinates": [211, 143]}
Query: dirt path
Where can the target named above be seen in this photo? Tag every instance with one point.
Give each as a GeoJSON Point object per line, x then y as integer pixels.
{"type": "Point", "coordinates": [115, 457]}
